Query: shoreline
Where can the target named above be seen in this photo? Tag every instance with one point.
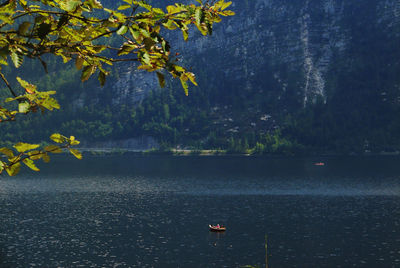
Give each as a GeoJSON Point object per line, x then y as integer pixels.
{"type": "Point", "coordinates": [190, 152]}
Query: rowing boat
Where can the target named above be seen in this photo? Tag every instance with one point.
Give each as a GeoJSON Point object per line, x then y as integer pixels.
{"type": "Point", "coordinates": [214, 228]}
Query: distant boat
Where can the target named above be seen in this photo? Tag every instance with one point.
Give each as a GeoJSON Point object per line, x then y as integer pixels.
{"type": "Point", "coordinates": [216, 228]}
{"type": "Point", "coordinates": [319, 164]}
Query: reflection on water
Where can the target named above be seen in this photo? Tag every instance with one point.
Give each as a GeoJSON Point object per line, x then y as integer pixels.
{"type": "Point", "coordinates": [155, 211]}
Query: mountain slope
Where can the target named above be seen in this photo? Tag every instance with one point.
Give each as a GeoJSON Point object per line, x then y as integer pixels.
{"type": "Point", "coordinates": [319, 75]}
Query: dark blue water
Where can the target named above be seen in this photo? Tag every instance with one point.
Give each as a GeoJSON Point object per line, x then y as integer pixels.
{"type": "Point", "coordinates": [127, 211]}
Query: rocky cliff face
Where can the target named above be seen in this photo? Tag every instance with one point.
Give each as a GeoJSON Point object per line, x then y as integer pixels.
{"type": "Point", "coordinates": [281, 46]}
{"type": "Point", "coordinates": [290, 43]}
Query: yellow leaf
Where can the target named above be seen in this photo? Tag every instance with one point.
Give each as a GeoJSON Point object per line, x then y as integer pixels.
{"type": "Point", "coordinates": [2, 165]}
{"type": "Point", "coordinates": [8, 152]}
{"type": "Point", "coordinates": [14, 169]}
{"type": "Point", "coordinates": [225, 5]}
{"type": "Point", "coordinates": [53, 149]}
{"type": "Point", "coordinates": [23, 147]}
{"type": "Point", "coordinates": [46, 158]}
{"type": "Point", "coordinates": [76, 153]}
{"type": "Point", "coordinates": [29, 163]}
{"type": "Point", "coordinates": [191, 77]}
{"type": "Point", "coordinates": [185, 86]}
{"type": "Point", "coordinates": [35, 155]}
{"type": "Point", "coordinates": [161, 79]}
{"type": "Point", "coordinates": [185, 35]}
{"type": "Point", "coordinates": [79, 62]}
{"type": "Point", "coordinates": [123, 7]}
{"type": "Point", "coordinates": [56, 137]}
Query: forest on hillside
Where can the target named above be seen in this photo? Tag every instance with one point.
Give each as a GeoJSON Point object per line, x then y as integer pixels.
{"type": "Point", "coordinates": [361, 111]}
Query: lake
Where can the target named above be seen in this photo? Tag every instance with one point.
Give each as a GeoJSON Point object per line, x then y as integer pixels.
{"type": "Point", "coordinates": [154, 211]}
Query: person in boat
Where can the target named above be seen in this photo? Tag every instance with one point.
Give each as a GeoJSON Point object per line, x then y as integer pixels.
{"type": "Point", "coordinates": [218, 226]}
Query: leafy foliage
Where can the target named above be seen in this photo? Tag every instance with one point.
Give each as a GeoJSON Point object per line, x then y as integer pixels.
{"type": "Point", "coordinates": [75, 30]}
{"type": "Point", "coordinates": [28, 153]}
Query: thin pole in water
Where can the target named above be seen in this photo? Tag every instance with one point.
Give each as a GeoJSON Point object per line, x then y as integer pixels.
{"type": "Point", "coordinates": [266, 251]}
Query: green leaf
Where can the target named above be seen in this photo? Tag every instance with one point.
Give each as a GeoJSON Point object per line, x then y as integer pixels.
{"type": "Point", "coordinates": [6, 19]}
{"type": "Point", "coordinates": [185, 86]}
{"type": "Point", "coordinates": [165, 46]}
{"type": "Point", "coordinates": [225, 5]}
{"type": "Point", "coordinates": [3, 62]}
{"type": "Point", "coordinates": [35, 155]}
{"type": "Point", "coordinates": [102, 78]}
{"type": "Point", "coordinates": [8, 152]}
{"type": "Point", "coordinates": [123, 7]}
{"type": "Point", "coordinates": [23, 147]}
{"type": "Point", "coordinates": [94, 4]}
{"type": "Point", "coordinates": [40, 19]}
{"type": "Point", "coordinates": [87, 72]}
{"type": "Point", "coordinates": [227, 13]}
{"type": "Point", "coordinates": [69, 5]}
{"type": "Point", "coordinates": [79, 62]}
{"type": "Point", "coordinates": [198, 15]}
{"type": "Point", "coordinates": [23, 107]}
{"type": "Point", "coordinates": [185, 34]}
{"type": "Point", "coordinates": [202, 28]}
{"type": "Point", "coordinates": [56, 137]}
{"type": "Point", "coordinates": [170, 25]}
{"type": "Point", "coordinates": [179, 68]}
{"type": "Point", "coordinates": [122, 30]}
{"type": "Point", "coordinates": [191, 77]}
{"type": "Point", "coordinates": [14, 169]}
{"type": "Point", "coordinates": [161, 79]}
{"type": "Point", "coordinates": [126, 49]}
{"type": "Point", "coordinates": [50, 103]}
{"type": "Point", "coordinates": [76, 153]}
{"type": "Point", "coordinates": [209, 28]}
{"type": "Point", "coordinates": [158, 11]}
{"type": "Point", "coordinates": [134, 32]}
{"type": "Point", "coordinates": [144, 32]}
{"type": "Point", "coordinates": [53, 149]}
{"type": "Point", "coordinates": [46, 158]}
{"type": "Point", "coordinates": [146, 58]}
{"type": "Point", "coordinates": [65, 59]}
{"type": "Point", "coordinates": [174, 9]}
{"type": "Point", "coordinates": [148, 43]}
{"type": "Point", "coordinates": [73, 141]}
{"type": "Point", "coordinates": [121, 17]}
{"type": "Point", "coordinates": [17, 59]}
{"type": "Point", "coordinates": [28, 87]}
{"type": "Point", "coordinates": [29, 163]}
{"type": "Point", "coordinates": [23, 27]}
{"type": "Point", "coordinates": [43, 30]}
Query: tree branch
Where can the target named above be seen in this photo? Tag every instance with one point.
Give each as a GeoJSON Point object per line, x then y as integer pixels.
{"type": "Point", "coordinates": [82, 18]}
{"type": "Point", "coordinates": [103, 34]}
{"type": "Point", "coordinates": [5, 3]}
{"type": "Point", "coordinates": [8, 85]}
{"type": "Point", "coordinates": [114, 60]}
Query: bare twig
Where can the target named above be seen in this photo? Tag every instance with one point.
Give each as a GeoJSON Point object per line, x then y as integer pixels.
{"type": "Point", "coordinates": [8, 85]}
{"type": "Point", "coordinates": [82, 18]}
